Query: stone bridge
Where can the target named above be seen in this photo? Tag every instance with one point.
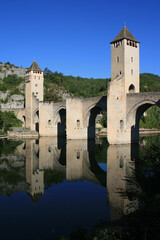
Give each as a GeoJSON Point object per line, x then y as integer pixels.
{"type": "Point", "coordinates": [74, 118]}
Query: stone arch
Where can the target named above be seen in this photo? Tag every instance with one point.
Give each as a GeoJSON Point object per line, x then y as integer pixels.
{"type": "Point", "coordinates": [90, 117]}
{"type": "Point", "coordinates": [134, 116]}
{"type": "Point", "coordinates": [88, 110]}
{"type": "Point", "coordinates": [147, 103]}
{"type": "Point", "coordinates": [24, 121]}
{"type": "Point", "coordinates": [36, 119]}
{"type": "Point", "coordinates": [57, 115]}
{"type": "Point", "coordinates": [60, 121]}
{"type": "Point", "coordinates": [36, 150]}
{"type": "Point", "coordinates": [131, 88]}
{"type": "Point", "coordinates": [92, 171]}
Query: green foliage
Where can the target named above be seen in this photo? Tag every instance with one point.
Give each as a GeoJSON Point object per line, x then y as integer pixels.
{"type": "Point", "coordinates": [12, 176]}
{"type": "Point", "coordinates": [15, 91]}
{"type": "Point", "coordinates": [76, 85]}
{"type": "Point", "coordinates": [152, 118]}
{"type": "Point", "coordinates": [51, 177]}
{"type": "Point", "coordinates": [101, 151]}
{"type": "Point", "coordinates": [8, 146]}
{"type": "Point", "coordinates": [8, 120]}
{"type": "Point", "coordinates": [2, 132]}
{"type": "Point", "coordinates": [103, 121]}
{"type": "Point", "coordinates": [149, 82]}
{"type": "Point", "coordinates": [10, 82]}
{"type": "Point", "coordinates": [51, 94]}
{"type": "Point", "coordinates": [3, 87]}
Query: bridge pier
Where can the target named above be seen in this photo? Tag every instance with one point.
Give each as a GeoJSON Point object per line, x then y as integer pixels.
{"type": "Point", "coordinates": [47, 125]}
{"type": "Point", "coordinates": [75, 128]}
{"type": "Point", "coordinates": [118, 131]}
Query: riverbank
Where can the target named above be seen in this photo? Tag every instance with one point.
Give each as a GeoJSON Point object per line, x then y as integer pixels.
{"type": "Point", "coordinates": [142, 132]}
{"type": "Point", "coordinates": [146, 132]}
{"type": "Point", "coordinates": [100, 133]}
{"type": "Point", "coordinates": [20, 133]}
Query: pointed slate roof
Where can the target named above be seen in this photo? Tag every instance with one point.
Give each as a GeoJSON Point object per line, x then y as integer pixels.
{"type": "Point", "coordinates": [35, 67]}
{"type": "Point", "coordinates": [124, 34]}
{"type": "Point", "coordinates": [35, 198]}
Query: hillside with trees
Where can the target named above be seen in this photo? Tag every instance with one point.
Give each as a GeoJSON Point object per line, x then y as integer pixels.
{"type": "Point", "coordinates": [77, 86]}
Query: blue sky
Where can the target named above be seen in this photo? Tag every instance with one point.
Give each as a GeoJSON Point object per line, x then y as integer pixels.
{"type": "Point", "coordinates": [73, 36]}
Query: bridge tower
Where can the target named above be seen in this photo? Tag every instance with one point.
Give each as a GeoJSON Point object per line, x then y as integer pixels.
{"type": "Point", "coordinates": [124, 80]}
{"type": "Point", "coordinates": [33, 94]}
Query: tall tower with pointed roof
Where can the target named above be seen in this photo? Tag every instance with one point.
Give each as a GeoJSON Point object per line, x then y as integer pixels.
{"type": "Point", "coordinates": [125, 60]}
{"type": "Point", "coordinates": [124, 80]}
{"type": "Point", "coordinates": [33, 94]}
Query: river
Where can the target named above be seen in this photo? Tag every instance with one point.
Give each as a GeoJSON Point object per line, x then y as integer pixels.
{"type": "Point", "coordinates": [50, 187]}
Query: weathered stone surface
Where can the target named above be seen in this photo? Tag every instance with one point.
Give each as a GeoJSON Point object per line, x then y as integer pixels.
{"type": "Point", "coordinates": [15, 97]}
{"type": "Point", "coordinates": [3, 95]}
{"type": "Point", "coordinates": [6, 69]}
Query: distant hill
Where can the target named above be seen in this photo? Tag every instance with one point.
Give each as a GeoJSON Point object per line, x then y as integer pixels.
{"type": "Point", "coordinates": [149, 82]}
{"type": "Point", "coordinates": [78, 86]}
{"type": "Point", "coordinates": [57, 86]}
{"type": "Point", "coordinates": [89, 87]}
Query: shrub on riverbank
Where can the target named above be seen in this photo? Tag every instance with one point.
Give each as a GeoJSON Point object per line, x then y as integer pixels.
{"type": "Point", "coordinates": [8, 120]}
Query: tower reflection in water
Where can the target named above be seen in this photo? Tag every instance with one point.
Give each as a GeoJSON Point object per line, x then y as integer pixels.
{"type": "Point", "coordinates": [76, 161]}
{"type": "Point", "coordinates": [120, 170]}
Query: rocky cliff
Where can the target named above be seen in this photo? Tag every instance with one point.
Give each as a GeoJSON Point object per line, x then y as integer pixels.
{"type": "Point", "coordinates": [9, 69]}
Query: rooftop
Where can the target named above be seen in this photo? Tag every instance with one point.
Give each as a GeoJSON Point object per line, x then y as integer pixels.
{"type": "Point", "coordinates": [35, 67]}
{"type": "Point", "coordinates": [124, 34]}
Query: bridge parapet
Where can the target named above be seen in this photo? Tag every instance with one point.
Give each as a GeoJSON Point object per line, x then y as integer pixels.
{"type": "Point", "coordinates": [135, 100]}
{"type": "Point", "coordinates": [89, 103]}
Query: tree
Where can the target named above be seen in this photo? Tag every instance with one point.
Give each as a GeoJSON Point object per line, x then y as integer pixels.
{"type": "Point", "coordinates": [8, 120]}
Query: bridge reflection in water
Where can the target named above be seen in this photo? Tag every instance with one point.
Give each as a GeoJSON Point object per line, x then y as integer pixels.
{"type": "Point", "coordinates": [75, 160]}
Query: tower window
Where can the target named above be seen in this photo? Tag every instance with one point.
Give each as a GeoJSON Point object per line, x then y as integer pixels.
{"type": "Point", "coordinates": [131, 88]}
{"type": "Point", "coordinates": [131, 71]}
{"type": "Point", "coordinates": [78, 155]}
{"type": "Point", "coordinates": [117, 59]}
{"type": "Point", "coordinates": [131, 59]}
{"type": "Point", "coordinates": [78, 123]}
{"type": "Point", "coordinates": [36, 85]}
{"type": "Point", "coordinates": [121, 124]}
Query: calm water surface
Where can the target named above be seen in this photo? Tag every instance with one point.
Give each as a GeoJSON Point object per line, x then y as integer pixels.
{"type": "Point", "coordinates": [49, 187]}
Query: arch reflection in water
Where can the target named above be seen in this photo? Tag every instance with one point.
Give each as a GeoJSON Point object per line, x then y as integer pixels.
{"type": "Point", "coordinates": [80, 164]}
{"type": "Point", "coordinates": [45, 155]}
{"type": "Point", "coordinates": [41, 156]}
{"type": "Point", "coordinates": [120, 168]}
{"type": "Point", "coordinates": [70, 203]}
